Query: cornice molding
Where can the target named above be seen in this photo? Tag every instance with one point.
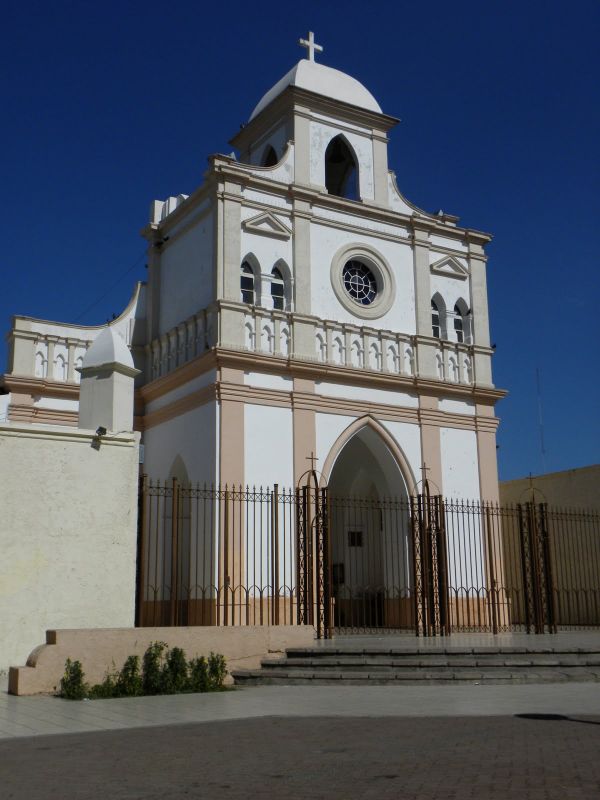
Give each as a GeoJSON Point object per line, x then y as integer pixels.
{"type": "Point", "coordinates": [176, 408]}
{"type": "Point", "coordinates": [294, 100]}
{"type": "Point", "coordinates": [25, 384]}
{"type": "Point", "coordinates": [308, 401]}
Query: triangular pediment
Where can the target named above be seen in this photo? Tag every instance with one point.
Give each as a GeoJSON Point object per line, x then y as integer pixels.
{"type": "Point", "coordinates": [268, 225]}
{"type": "Point", "coordinates": [450, 267]}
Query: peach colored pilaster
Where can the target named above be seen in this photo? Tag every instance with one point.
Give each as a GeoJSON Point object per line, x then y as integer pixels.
{"type": "Point", "coordinates": [305, 434]}
{"type": "Point", "coordinates": [488, 458]}
{"type": "Point", "coordinates": [431, 453]}
{"type": "Point", "coordinates": [231, 433]}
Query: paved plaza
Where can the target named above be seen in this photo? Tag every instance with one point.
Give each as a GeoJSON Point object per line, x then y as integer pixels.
{"type": "Point", "coordinates": [472, 741]}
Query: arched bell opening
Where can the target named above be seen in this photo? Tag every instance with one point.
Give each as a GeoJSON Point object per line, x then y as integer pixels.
{"type": "Point", "coordinates": [370, 543]}
{"type": "Point", "coordinates": [341, 169]}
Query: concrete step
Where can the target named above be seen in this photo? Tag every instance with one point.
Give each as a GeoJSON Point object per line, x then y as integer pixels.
{"type": "Point", "coordinates": [313, 677]}
{"type": "Point", "coordinates": [366, 664]}
{"type": "Point", "coordinates": [422, 664]}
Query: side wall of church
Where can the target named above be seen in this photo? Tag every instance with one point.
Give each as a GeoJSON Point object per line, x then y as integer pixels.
{"type": "Point", "coordinates": [190, 437]}
{"type": "Point", "coordinates": [186, 270]}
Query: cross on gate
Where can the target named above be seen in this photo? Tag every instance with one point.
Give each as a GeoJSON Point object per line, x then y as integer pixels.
{"type": "Point", "coordinates": [310, 45]}
{"type": "Point", "coordinates": [312, 458]}
{"type": "Point", "coordinates": [425, 469]}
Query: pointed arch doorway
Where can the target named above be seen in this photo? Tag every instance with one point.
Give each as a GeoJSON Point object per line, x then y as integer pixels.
{"type": "Point", "coordinates": [372, 570]}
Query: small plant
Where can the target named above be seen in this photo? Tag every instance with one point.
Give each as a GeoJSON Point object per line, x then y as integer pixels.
{"type": "Point", "coordinates": [72, 685]}
{"type": "Point", "coordinates": [104, 690]}
{"type": "Point", "coordinates": [217, 671]}
{"type": "Point", "coordinates": [152, 677]}
{"type": "Point", "coordinates": [198, 678]}
{"type": "Point", "coordinates": [175, 672]}
{"type": "Point", "coordinates": [129, 680]}
{"type": "Point", "coordinates": [163, 671]}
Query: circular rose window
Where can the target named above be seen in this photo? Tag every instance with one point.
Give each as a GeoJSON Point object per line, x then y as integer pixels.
{"type": "Point", "coordinates": [359, 282]}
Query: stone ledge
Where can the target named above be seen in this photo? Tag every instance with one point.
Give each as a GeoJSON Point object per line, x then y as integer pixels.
{"type": "Point", "coordinates": [103, 649]}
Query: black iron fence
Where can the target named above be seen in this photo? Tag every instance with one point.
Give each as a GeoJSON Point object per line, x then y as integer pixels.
{"type": "Point", "coordinates": [240, 556]}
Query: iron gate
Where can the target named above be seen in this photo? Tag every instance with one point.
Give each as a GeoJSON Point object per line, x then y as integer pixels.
{"type": "Point", "coordinates": [424, 564]}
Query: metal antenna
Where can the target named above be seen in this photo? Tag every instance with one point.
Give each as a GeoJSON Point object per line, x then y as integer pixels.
{"type": "Point", "coordinates": [540, 418]}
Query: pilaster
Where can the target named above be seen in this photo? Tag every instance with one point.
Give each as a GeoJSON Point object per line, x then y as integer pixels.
{"type": "Point", "coordinates": [71, 361]}
{"type": "Point", "coordinates": [231, 433]}
{"type": "Point", "coordinates": [301, 256]}
{"type": "Point", "coordinates": [380, 169]}
{"type": "Point", "coordinates": [487, 453]}
{"type": "Point", "coordinates": [479, 307]}
{"type": "Point", "coordinates": [425, 347]}
{"type": "Point", "coordinates": [230, 235]}
{"type": "Point", "coordinates": [305, 432]}
{"type": "Point", "coordinates": [431, 451]}
{"type": "Point", "coordinates": [302, 148]}
{"type": "Point", "coordinates": [304, 337]}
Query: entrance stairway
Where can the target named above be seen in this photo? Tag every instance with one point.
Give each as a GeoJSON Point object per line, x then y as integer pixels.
{"type": "Point", "coordinates": [424, 664]}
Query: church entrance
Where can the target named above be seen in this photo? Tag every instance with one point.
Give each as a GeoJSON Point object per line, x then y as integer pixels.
{"type": "Point", "coordinates": [370, 538]}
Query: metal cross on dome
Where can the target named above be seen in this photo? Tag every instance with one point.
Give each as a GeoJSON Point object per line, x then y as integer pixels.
{"type": "Point", "coordinates": [310, 45]}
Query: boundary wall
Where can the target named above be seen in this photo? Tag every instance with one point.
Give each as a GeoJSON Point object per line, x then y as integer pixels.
{"type": "Point", "coordinates": [68, 532]}
{"type": "Point", "coordinates": [101, 651]}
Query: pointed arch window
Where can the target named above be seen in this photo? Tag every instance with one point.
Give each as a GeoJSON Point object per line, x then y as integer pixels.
{"type": "Point", "coordinates": [277, 289]}
{"type": "Point", "coordinates": [341, 170]}
{"type": "Point", "coordinates": [459, 328]}
{"type": "Point", "coordinates": [462, 332]}
{"type": "Point", "coordinates": [269, 158]}
{"type": "Point", "coordinates": [247, 286]}
{"type": "Point", "coordinates": [436, 328]}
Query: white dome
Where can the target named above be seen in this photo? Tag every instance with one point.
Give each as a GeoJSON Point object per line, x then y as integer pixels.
{"type": "Point", "coordinates": [322, 80]}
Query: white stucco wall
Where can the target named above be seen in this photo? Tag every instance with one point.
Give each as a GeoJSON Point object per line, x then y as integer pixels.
{"type": "Point", "coordinates": [460, 471]}
{"type": "Point", "coordinates": [328, 427]}
{"type": "Point", "coordinates": [68, 533]}
{"type": "Point", "coordinates": [408, 439]}
{"type": "Point", "coordinates": [366, 394]}
{"type": "Point", "coordinates": [268, 446]}
{"type": "Point", "coordinates": [191, 436]}
{"type": "Point", "coordinates": [4, 403]}
{"type": "Point", "coordinates": [325, 242]}
{"type": "Point", "coordinates": [457, 406]}
{"type": "Point", "coordinates": [186, 277]}
{"type": "Point", "coordinates": [264, 380]}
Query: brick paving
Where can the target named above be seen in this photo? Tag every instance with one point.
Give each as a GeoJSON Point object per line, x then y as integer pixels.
{"type": "Point", "coordinates": [324, 757]}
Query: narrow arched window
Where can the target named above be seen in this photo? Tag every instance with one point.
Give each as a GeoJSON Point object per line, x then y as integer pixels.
{"type": "Point", "coordinates": [277, 289]}
{"type": "Point", "coordinates": [341, 173]}
{"type": "Point", "coordinates": [435, 320]}
{"type": "Point", "coordinates": [269, 158]}
{"type": "Point", "coordinates": [247, 284]}
{"type": "Point", "coordinates": [459, 327]}
{"type": "Point", "coordinates": [462, 322]}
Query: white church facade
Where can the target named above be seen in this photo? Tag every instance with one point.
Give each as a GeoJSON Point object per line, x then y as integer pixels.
{"type": "Point", "coordinates": [297, 306]}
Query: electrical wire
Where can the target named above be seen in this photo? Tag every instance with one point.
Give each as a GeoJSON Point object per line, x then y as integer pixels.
{"type": "Point", "coordinates": [112, 286]}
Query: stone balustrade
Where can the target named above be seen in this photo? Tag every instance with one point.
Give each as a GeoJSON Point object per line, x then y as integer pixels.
{"type": "Point", "coordinates": [284, 333]}
{"type": "Point", "coordinates": [180, 344]}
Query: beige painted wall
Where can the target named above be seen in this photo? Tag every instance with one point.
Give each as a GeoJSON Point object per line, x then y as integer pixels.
{"type": "Point", "coordinates": [573, 488]}
{"type": "Point", "coordinates": [101, 651]}
{"type": "Point", "coordinates": [68, 529]}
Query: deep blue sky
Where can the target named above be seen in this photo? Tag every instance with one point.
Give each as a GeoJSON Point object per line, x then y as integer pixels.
{"type": "Point", "coordinates": [108, 106]}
